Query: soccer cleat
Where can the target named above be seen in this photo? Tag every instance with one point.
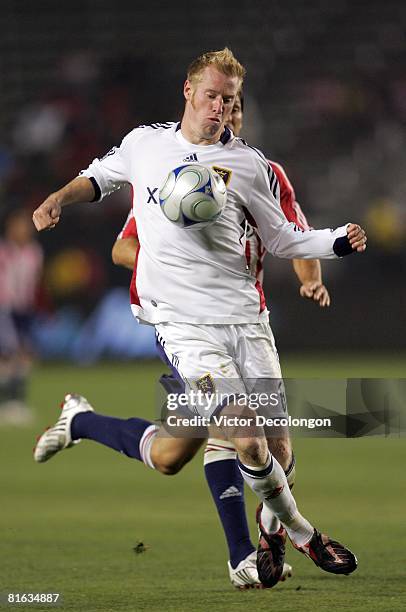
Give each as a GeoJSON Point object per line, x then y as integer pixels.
{"type": "Point", "coordinates": [270, 554]}
{"type": "Point", "coordinates": [329, 555]}
{"type": "Point", "coordinates": [287, 572]}
{"type": "Point", "coordinates": [245, 575]}
{"type": "Point", "coordinates": [58, 437]}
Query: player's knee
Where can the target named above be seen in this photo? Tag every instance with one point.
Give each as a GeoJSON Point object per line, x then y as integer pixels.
{"type": "Point", "coordinates": [252, 450]}
{"type": "Point", "coordinates": [168, 468]}
{"type": "Point", "coordinates": [281, 449]}
{"type": "Point", "coordinates": [166, 463]}
{"type": "Point", "coordinates": [169, 463]}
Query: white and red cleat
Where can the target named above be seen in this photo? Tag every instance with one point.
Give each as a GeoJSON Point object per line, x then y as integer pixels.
{"type": "Point", "coordinates": [58, 437]}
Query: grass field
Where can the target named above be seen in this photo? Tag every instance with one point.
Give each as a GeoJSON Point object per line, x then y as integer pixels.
{"type": "Point", "coordinates": [70, 525]}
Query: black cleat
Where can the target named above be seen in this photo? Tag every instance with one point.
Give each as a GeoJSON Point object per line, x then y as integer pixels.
{"type": "Point", "coordinates": [329, 555]}
{"type": "Point", "coordinates": [270, 553]}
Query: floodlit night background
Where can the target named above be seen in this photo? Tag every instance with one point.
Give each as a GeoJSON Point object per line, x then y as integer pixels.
{"type": "Point", "coordinates": [325, 95]}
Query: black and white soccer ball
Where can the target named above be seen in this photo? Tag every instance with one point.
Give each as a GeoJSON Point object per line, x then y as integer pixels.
{"type": "Point", "coordinates": [193, 196]}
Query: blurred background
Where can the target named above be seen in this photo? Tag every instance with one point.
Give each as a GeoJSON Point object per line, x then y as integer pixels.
{"type": "Point", "coordinates": [325, 96]}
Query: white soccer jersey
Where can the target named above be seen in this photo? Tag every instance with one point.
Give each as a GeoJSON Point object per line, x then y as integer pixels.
{"type": "Point", "coordinates": [201, 276]}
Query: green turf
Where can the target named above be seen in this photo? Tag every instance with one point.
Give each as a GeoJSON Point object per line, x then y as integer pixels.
{"type": "Point", "coordinates": [70, 525]}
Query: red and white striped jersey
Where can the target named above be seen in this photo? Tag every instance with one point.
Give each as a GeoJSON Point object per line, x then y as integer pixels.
{"type": "Point", "coordinates": [201, 276]}
{"type": "Point", "coordinates": [254, 250]}
{"type": "Point", "coordinates": [20, 271]}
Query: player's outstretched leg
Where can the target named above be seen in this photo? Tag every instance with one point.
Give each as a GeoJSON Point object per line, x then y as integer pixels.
{"type": "Point", "coordinates": [132, 437]}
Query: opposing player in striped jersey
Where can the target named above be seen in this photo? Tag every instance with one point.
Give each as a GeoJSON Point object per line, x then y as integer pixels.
{"type": "Point", "coordinates": [222, 474]}
{"type": "Point", "coordinates": [224, 479]}
{"type": "Point", "coordinates": [206, 307]}
{"type": "Point", "coordinates": [308, 271]}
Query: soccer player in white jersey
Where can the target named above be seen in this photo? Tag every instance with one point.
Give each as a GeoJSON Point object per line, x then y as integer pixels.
{"type": "Point", "coordinates": [195, 289]}
{"type": "Point", "coordinates": [223, 476]}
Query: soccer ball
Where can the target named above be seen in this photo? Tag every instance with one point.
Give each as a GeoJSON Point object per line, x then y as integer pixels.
{"type": "Point", "coordinates": [193, 196]}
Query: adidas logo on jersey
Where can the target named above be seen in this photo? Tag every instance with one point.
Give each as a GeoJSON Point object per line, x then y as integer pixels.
{"type": "Point", "coordinates": [191, 158]}
{"type": "Point", "coordinates": [230, 492]}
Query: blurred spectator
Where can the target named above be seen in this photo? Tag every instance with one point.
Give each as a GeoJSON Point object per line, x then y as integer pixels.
{"type": "Point", "coordinates": [21, 261]}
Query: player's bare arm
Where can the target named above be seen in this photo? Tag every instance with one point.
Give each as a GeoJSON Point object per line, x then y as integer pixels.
{"type": "Point", "coordinates": [47, 215]}
{"type": "Point", "coordinates": [124, 252]}
{"type": "Point", "coordinates": [308, 272]}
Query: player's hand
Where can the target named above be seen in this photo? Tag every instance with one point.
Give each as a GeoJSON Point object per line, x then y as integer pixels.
{"type": "Point", "coordinates": [47, 215]}
{"type": "Point", "coordinates": [315, 290]}
{"type": "Point", "coordinates": [357, 237]}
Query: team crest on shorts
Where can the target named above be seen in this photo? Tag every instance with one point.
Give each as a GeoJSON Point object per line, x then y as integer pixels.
{"type": "Point", "coordinates": [224, 173]}
{"type": "Point", "coordinates": [205, 384]}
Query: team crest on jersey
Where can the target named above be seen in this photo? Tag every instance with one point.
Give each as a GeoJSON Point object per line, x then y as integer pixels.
{"type": "Point", "coordinates": [205, 384]}
{"type": "Point", "coordinates": [224, 173]}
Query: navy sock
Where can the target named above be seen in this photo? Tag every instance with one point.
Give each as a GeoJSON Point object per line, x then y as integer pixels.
{"type": "Point", "coordinates": [123, 435]}
{"type": "Point", "coordinates": [227, 489]}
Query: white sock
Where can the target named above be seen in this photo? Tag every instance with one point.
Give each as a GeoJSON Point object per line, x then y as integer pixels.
{"type": "Point", "coordinates": [269, 521]}
{"type": "Point", "coordinates": [270, 485]}
{"type": "Point", "coordinates": [146, 444]}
